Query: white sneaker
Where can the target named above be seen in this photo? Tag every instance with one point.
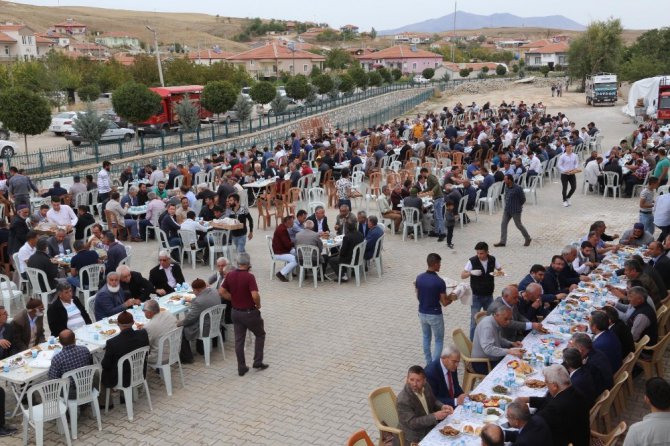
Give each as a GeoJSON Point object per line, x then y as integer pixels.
{"type": "Point", "coordinates": [568, 201]}
{"type": "Point", "coordinates": [565, 204]}
{"type": "Point", "coordinates": [344, 278]}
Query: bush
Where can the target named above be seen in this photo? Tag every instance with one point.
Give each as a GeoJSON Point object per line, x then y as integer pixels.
{"type": "Point", "coordinates": [515, 68]}
{"type": "Point", "coordinates": [279, 104]}
{"type": "Point", "coordinates": [375, 79]}
{"type": "Point", "coordinates": [396, 73]}
{"type": "Point", "coordinates": [188, 114]}
{"type": "Point", "coordinates": [464, 72]}
{"type": "Point", "coordinates": [428, 73]}
{"type": "Point", "coordinates": [135, 102]}
{"type": "Point", "coordinates": [485, 69]}
{"type": "Point", "coordinates": [481, 75]}
{"type": "Point", "coordinates": [501, 70]}
{"type": "Point", "coordinates": [89, 93]}
{"type": "Point", "coordinates": [243, 107]}
{"type": "Point", "coordinates": [263, 92]}
{"type": "Point", "coordinates": [90, 125]}
{"type": "Point", "coordinates": [446, 77]}
{"type": "Point", "coordinates": [544, 70]}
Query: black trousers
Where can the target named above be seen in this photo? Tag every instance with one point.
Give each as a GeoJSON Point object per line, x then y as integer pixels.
{"type": "Point", "coordinates": [572, 181]}
{"type": "Point", "coordinates": [251, 320]}
{"type": "Point", "coordinates": [2, 407]}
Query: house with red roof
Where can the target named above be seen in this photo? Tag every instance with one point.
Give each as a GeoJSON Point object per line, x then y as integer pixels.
{"type": "Point", "coordinates": [209, 56]}
{"type": "Point", "coordinates": [71, 27]}
{"type": "Point", "coordinates": [17, 42]}
{"type": "Point", "coordinates": [548, 54]}
{"type": "Point", "coordinates": [272, 59]}
{"type": "Point", "coordinates": [117, 39]}
{"type": "Point", "coordinates": [408, 59]}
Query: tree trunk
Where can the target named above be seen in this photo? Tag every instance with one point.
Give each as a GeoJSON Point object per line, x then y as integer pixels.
{"type": "Point", "coordinates": [25, 142]}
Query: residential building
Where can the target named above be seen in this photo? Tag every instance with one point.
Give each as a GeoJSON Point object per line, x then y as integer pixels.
{"type": "Point", "coordinates": [209, 56]}
{"type": "Point", "coordinates": [272, 59]}
{"type": "Point", "coordinates": [44, 44]}
{"type": "Point", "coordinates": [408, 59]}
{"type": "Point", "coordinates": [115, 39]}
{"type": "Point", "coordinates": [71, 28]}
{"type": "Point", "coordinates": [86, 49]}
{"type": "Point", "coordinates": [550, 54]}
{"type": "Point", "coordinates": [353, 29]}
{"type": "Point", "coordinates": [414, 38]}
{"type": "Point", "coordinates": [17, 42]}
{"type": "Point", "coordinates": [61, 40]}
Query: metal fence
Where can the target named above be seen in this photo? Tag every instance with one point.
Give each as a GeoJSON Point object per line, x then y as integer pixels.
{"type": "Point", "coordinates": [166, 148]}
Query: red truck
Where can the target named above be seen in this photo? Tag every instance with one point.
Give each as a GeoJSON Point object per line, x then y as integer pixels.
{"type": "Point", "coordinates": [168, 118]}
{"type": "Point", "coordinates": [663, 109]}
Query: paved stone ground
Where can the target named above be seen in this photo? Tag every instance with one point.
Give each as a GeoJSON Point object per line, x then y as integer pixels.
{"type": "Point", "coordinates": [328, 348]}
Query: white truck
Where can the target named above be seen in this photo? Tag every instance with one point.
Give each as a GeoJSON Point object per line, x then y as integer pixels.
{"type": "Point", "coordinates": [601, 88]}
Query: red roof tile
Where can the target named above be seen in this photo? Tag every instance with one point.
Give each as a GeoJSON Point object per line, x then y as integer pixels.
{"type": "Point", "coordinates": [552, 48]}
{"type": "Point", "coordinates": [400, 52]}
{"type": "Point", "coordinates": [273, 51]}
{"type": "Point", "coordinates": [4, 38]}
{"type": "Point", "coordinates": [209, 54]}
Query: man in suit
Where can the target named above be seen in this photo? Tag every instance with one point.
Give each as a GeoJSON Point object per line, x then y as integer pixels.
{"type": "Point", "coordinates": [660, 262]}
{"type": "Point", "coordinates": [519, 325]}
{"type": "Point", "coordinates": [531, 431]}
{"type": "Point", "coordinates": [18, 229]}
{"type": "Point", "coordinates": [159, 324]}
{"type": "Point", "coordinates": [166, 275]}
{"type": "Point", "coordinates": [442, 377]}
{"type": "Point", "coordinates": [126, 341]}
{"type": "Point", "coordinates": [216, 280]}
{"type": "Point", "coordinates": [58, 243]}
{"type": "Point", "coordinates": [580, 377]}
{"type": "Point", "coordinates": [7, 347]}
{"type": "Point", "coordinates": [110, 299]}
{"type": "Point", "coordinates": [362, 225]}
{"type": "Point", "coordinates": [134, 286]}
{"type": "Point", "coordinates": [66, 311]}
{"type": "Point", "coordinates": [40, 260]}
{"type": "Point", "coordinates": [604, 340]}
{"type": "Point", "coordinates": [563, 409]}
{"type": "Point", "coordinates": [620, 330]}
{"type": "Point", "coordinates": [320, 220]}
{"type": "Point", "coordinates": [351, 239]}
{"type": "Point", "coordinates": [205, 298]}
{"type": "Point", "coordinates": [595, 362]}
{"type": "Point", "coordinates": [28, 326]}
{"type": "Point", "coordinates": [418, 409]}
{"type": "Point", "coordinates": [374, 233]}
{"type": "Point", "coordinates": [84, 220]}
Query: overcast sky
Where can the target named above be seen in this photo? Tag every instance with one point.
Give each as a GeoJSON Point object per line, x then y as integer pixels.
{"type": "Point", "coordinates": [388, 14]}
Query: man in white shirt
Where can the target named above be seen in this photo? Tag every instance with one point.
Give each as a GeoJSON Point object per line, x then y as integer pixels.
{"type": "Point", "coordinates": [582, 263]}
{"type": "Point", "coordinates": [62, 215]}
{"type": "Point", "coordinates": [156, 176]}
{"type": "Point", "coordinates": [568, 164]}
{"type": "Point", "coordinates": [535, 165]}
{"type": "Point", "coordinates": [104, 182]}
{"type": "Point", "coordinates": [191, 225]}
{"type": "Point", "coordinates": [655, 426]}
{"type": "Point", "coordinates": [27, 250]}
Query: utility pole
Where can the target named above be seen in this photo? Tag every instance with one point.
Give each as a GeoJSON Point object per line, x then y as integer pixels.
{"type": "Point", "coordinates": [453, 43]}
{"type": "Point", "coordinates": [158, 57]}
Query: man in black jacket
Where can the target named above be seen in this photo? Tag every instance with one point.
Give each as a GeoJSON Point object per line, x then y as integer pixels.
{"type": "Point", "coordinates": [134, 286]}
{"type": "Point", "coordinates": [40, 260]}
{"type": "Point", "coordinates": [351, 239]}
{"type": "Point", "coordinates": [6, 335]}
{"type": "Point", "coordinates": [320, 220]}
{"type": "Point", "coordinates": [595, 362]}
{"type": "Point", "coordinates": [84, 219]}
{"type": "Point", "coordinates": [580, 377]}
{"type": "Point", "coordinates": [18, 230]}
{"type": "Point", "coordinates": [66, 312]}
{"type": "Point", "coordinates": [564, 409]}
{"type": "Point", "coordinates": [532, 430]}
{"type": "Point", "coordinates": [166, 275]}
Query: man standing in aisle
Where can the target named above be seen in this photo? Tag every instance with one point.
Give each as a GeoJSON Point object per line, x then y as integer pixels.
{"type": "Point", "coordinates": [568, 166]}
{"type": "Point", "coordinates": [241, 289]}
{"type": "Point", "coordinates": [435, 188]}
{"type": "Point", "coordinates": [104, 182]}
{"type": "Point", "coordinates": [480, 270]}
{"type": "Point", "coordinates": [431, 292]}
{"type": "Point", "coordinates": [515, 197]}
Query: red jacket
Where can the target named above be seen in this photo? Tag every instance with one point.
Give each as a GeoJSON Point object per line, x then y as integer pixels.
{"type": "Point", "coordinates": [281, 241]}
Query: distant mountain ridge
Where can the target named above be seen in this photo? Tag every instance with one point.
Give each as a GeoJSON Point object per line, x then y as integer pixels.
{"type": "Point", "coordinates": [466, 20]}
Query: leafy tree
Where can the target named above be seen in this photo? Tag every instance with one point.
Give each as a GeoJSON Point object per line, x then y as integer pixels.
{"type": "Point", "coordinates": [24, 112]}
{"type": "Point", "coordinates": [428, 73]}
{"type": "Point", "coordinates": [481, 38]}
{"type": "Point", "coordinates": [338, 59]}
{"type": "Point", "coordinates": [89, 93]}
{"type": "Point", "coordinates": [515, 68]}
{"type": "Point", "coordinates": [311, 96]}
{"type": "Point", "coordinates": [135, 102]}
{"type": "Point", "coordinates": [522, 72]}
{"type": "Point", "coordinates": [385, 74]}
{"type": "Point", "coordinates": [446, 77]}
{"type": "Point", "coordinates": [544, 69]}
{"type": "Point", "coordinates": [297, 87]}
{"type": "Point", "coordinates": [316, 71]}
{"type": "Point", "coordinates": [347, 84]}
{"type": "Point", "coordinates": [90, 125]}
{"type": "Point", "coordinates": [485, 69]}
{"type": "Point", "coordinates": [501, 70]}
{"type": "Point", "coordinates": [109, 76]}
{"type": "Point", "coordinates": [180, 71]}
{"type": "Point", "coordinates": [360, 77]}
{"type": "Point", "coordinates": [522, 63]}
{"type": "Point", "coordinates": [243, 107]}
{"type": "Point", "coordinates": [373, 33]}
{"type": "Point", "coordinates": [464, 72]}
{"type": "Point", "coordinates": [218, 96]}
{"type": "Point", "coordinates": [328, 36]}
{"type": "Point", "coordinates": [599, 48]}
{"type": "Point", "coordinates": [375, 79]}
{"type": "Point", "coordinates": [279, 104]}
{"type": "Point", "coordinates": [396, 73]}
{"type": "Point", "coordinates": [324, 83]}
{"type": "Point", "coordinates": [640, 66]}
{"type": "Point", "coordinates": [263, 92]}
{"type": "Point", "coordinates": [188, 114]}
{"type": "Point", "coordinates": [30, 75]}
{"type": "Point", "coordinates": [648, 56]}
{"type": "Point", "coordinates": [144, 70]}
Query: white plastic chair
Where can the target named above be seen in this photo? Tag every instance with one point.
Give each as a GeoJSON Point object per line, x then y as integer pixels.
{"type": "Point", "coordinates": [612, 183]}
{"type": "Point", "coordinates": [24, 284]}
{"type": "Point", "coordinates": [314, 204]}
{"type": "Point", "coordinates": [491, 198]}
{"type": "Point", "coordinates": [316, 194]}
{"type": "Point", "coordinates": [357, 264]}
{"type": "Point", "coordinates": [663, 189]}
{"type": "Point", "coordinates": [638, 188]}
{"type": "Point", "coordinates": [52, 406]}
{"type": "Point", "coordinates": [9, 293]}
{"type": "Point", "coordinates": [377, 255]}
{"type": "Point", "coordinates": [273, 259]}
{"type": "Point", "coordinates": [91, 275]}
{"type": "Point", "coordinates": [173, 341]}
{"type": "Point", "coordinates": [531, 190]}
{"type": "Point", "coordinates": [215, 244]}
{"type": "Point", "coordinates": [125, 261]}
{"type": "Point", "coordinates": [136, 360]}
{"type": "Point", "coordinates": [88, 231]}
{"type": "Point", "coordinates": [164, 243]}
{"type": "Point", "coordinates": [410, 218]}
{"type": "Point", "coordinates": [462, 209]}
{"type": "Point", "coordinates": [90, 307]}
{"type": "Point", "coordinates": [87, 393]}
{"type": "Point", "coordinates": [189, 241]}
{"type": "Point", "coordinates": [309, 257]}
{"type": "Point", "coordinates": [93, 201]}
{"type": "Point", "coordinates": [178, 181]}
{"type": "Point", "coordinates": [214, 315]}
{"type": "Point", "coordinates": [34, 275]}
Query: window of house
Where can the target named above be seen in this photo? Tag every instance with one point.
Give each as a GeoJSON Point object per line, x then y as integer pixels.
{"type": "Point", "coordinates": [304, 68]}
{"type": "Point", "coordinates": [251, 62]}
{"type": "Point", "coordinates": [7, 50]}
{"type": "Point", "coordinates": [414, 66]}
{"type": "Point", "coordinates": [538, 60]}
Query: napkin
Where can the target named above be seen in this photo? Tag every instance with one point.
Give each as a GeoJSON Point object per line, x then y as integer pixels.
{"type": "Point", "coordinates": [43, 360]}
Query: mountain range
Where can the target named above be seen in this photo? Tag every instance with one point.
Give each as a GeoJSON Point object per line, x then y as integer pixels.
{"type": "Point", "coordinates": [466, 20]}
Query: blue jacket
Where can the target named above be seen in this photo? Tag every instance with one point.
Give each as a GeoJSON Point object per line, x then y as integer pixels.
{"type": "Point", "coordinates": [608, 343]}
{"type": "Point", "coordinates": [108, 303]}
{"type": "Point", "coordinates": [597, 363]}
{"type": "Point", "coordinates": [546, 297]}
{"type": "Point", "coordinates": [535, 432]}
{"type": "Point", "coordinates": [438, 383]}
{"type": "Point", "coordinates": [371, 238]}
{"type": "Point", "coordinates": [582, 380]}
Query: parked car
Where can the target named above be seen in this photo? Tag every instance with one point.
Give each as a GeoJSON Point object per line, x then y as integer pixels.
{"type": "Point", "coordinates": [245, 92]}
{"type": "Point", "coordinates": [292, 107]}
{"type": "Point", "coordinates": [8, 148]}
{"type": "Point", "coordinates": [113, 133]}
{"type": "Point", "coordinates": [4, 133]}
{"type": "Point", "coordinates": [420, 79]}
{"type": "Point", "coordinates": [62, 123]}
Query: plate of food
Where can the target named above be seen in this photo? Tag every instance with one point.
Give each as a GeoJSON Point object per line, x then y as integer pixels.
{"type": "Point", "coordinates": [500, 389]}
{"type": "Point", "coordinates": [478, 397]}
{"type": "Point", "coordinates": [472, 430]}
{"type": "Point", "coordinates": [535, 384]}
{"type": "Point", "coordinates": [109, 332]}
{"type": "Point", "coordinates": [584, 299]}
{"type": "Point", "coordinates": [579, 328]}
{"type": "Point", "coordinates": [112, 321]}
{"type": "Point", "coordinates": [520, 366]}
{"type": "Point", "coordinates": [54, 347]}
{"type": "Point", "coordinates": [18, 361]}
{"type": "Point", "coordinates": [493, 411]}
{"type": "Point", "coordinates": [491, 418]}
{"type": "Point", "coordinates": [498, 273]}
{"type": "Point", "coordinates": [450, 431]}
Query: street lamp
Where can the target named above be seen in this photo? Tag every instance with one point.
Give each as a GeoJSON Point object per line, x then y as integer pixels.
{"type": "Point", "coordinates": [158, 57]}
